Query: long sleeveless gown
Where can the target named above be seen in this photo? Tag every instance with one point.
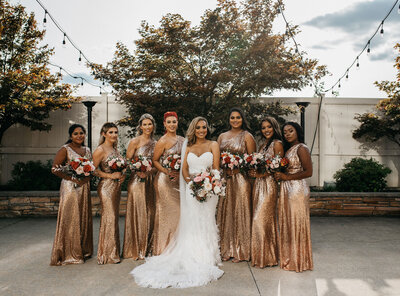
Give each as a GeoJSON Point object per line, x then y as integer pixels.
{"type": "Point", "coordinates": [234, 211]}
{"type": "Point", "coordinates": [294, 219]}
{"type": "Point", "coordinates": [264, 231]}
{"type": "Point", "coordinates": [140, 211]}
{"type": "Point", "coordinates": [73, 241]}
{"type": "Point", "coordinates": [109, 191]}
{"type": "Point", "coordinates": [192, 256]}
{"type": "Point", "coordinates": [167, 204]}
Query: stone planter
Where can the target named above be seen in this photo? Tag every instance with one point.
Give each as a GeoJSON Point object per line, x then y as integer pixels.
{"type": "Point", "coordinates": [45, 203]}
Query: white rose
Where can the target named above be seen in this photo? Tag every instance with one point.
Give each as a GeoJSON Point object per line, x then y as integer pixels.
{"type": "Point", "coordinates": [145, 163]}
{"type": "Point", "coordinates": [217, 189]}
{"type": "Point", "coordinates": [176, 167]}
{"type": "Point", "coordinates": [138, 165]}
{"type": "Point", "coordinates": [208, 186]}
{"type": "Point", "coordinates": [201, 193]}
{"type": "Point", "coordinates": [176, 156]}
{"type": "Point", "coordinates": [79, 170]}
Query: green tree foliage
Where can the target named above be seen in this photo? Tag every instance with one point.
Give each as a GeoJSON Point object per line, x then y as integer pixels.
{"type": "Point", "coordinates": [385, 120]}
{"type": "Point", "coordinates": [230, 59]}
{"type": "Point", "coordinates": [362, 175]}
{"type": "Point", "coordinates": [28, 92]}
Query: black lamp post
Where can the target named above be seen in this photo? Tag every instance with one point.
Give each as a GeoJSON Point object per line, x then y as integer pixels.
{"type": "Point", "coordinates": [302, 106]}
{"type": "Point", "coordinates": [89, 105]}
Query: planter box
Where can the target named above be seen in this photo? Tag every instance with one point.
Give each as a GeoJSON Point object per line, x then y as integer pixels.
{"type": "Point", "coordinates": [45, 203]}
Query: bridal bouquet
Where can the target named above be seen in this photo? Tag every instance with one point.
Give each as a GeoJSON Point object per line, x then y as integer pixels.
{"type": "Point", "coordinates": [277, 164]}
{"type": "Point", "coordinates": [255, 161]}
{"type": "Point", "coordinates": [231, 161]}
{"type": "Point", "coordinates": [81, 167]}
{"type": "Point", "coordinates": [116, 163]}
{"type": "Point", "coordinates": [142, 164]}
{"type": "Point", "coordinates": [172, 162]}
{"type": "Point", "coordinates": [207, 184]}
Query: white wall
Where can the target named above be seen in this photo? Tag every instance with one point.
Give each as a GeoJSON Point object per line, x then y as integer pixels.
{"type": "Point", "coordinates": [333, 146]}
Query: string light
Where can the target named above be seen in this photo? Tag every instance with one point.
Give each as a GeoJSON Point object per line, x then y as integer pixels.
{"type": "Point", "coordinates": [80, 58]}
{"type": "Point", "coordinates": [45, 19]}
{"type": "Point", "coordinates": [60, 73]}
{"type": "Point", "coordinates": [81, 81]}
{"type": "Point", "coordinates": [339, 84]}
{"type": "Point", "coordinates": [64, 43]}
{"type": "Point", "coordinates": [398, 10]}
{"type": "Point", "coordinates": [367, 46]}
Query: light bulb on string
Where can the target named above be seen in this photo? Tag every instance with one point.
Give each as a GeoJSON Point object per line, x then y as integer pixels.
{"type": "Point", "coordinates": [64, 42]}
{"type": "Point", "coordinates": [81, 81]}
{"type": "Point", "coordinates": [339, 86]}
{"type": "Point", "coordinates": [369, 48]}
{"type": "Point", "coordinates": [398, 10]}
{"type": "Point", "coordinates": [60, 73]}
{"type": "Point", "coordinates": [358, 65]}
{"type": "Point", "coordinates": [347, 75]}
{"type": "Point", "coordinates": [80, 58]}
{"type": "Point", "coordinates": [45, 19]}
{"type": "Point", "coordinates": [104, 83]}
{"type": "Point", "coordinates": [278, 10]}
{"type": "Point", "coordinates": [100, 90]}
{"type": "Point", "coordinates": [381, 31]}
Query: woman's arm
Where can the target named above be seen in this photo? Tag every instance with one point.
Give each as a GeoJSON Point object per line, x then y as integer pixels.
{"type": "Point", "coordinates": [216, 155]}
{"type": "Point", "coordinates": [250, 143]}
{"type": "Point", "coordinates": [185, 167]}
{"type": "Point", "coordinates": [58, 162]}
{"type": "Point", "coordinates": [158, 151]}
{"type": "Point", "coordinates": [278, 148]}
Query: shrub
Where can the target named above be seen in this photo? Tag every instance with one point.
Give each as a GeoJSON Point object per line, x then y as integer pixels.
{"type": "Point", "coordinates": [33, 175]}
{"type": "Point", "coordinates": [362, 175]}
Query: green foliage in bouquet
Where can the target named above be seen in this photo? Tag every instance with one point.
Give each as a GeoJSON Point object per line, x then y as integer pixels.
{"type": "Point", "coordinates": [33, 175]}
{"type": "Point", "coordinates": [362, 175]}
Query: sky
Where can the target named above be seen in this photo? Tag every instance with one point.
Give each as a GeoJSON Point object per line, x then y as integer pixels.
{"type": "Point", "coordinates": [333, 32]}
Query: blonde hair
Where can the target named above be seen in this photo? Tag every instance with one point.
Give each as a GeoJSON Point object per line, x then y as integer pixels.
{"type": "Point", "coordinates": [139, 131]}
{"type": "Point", "coordinates": [104, 130]}
{"type": "Point", "coordinates": [191, 131]}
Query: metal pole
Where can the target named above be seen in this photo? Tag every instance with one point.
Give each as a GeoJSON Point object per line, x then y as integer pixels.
{"type": "Point", "coordinates": [89, 105]}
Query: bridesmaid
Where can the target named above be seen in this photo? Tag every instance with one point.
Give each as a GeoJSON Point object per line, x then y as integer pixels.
{"type": "Point", "coordinates": [264, 246]}
{"type": "Point", "coordinates": [166, 186]}
{"type": "Point", "coordinates": [234, 211]}
{"type": "Point", "coordinates": [109, 191]}
{"type": "Point", "coordinates": [293, 206]}
{"type": "Point", "coordinates": [73, 242]}
{"type": "Point", "coordinates": [140, 204]}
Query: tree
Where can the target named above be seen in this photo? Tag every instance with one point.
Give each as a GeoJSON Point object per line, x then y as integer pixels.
{"type": "Point", "coordinates": [229, 59]}
{"type": "Point", "coordinates": [28, 92]}
{"type": "Point", "coordinates": [385, 120]}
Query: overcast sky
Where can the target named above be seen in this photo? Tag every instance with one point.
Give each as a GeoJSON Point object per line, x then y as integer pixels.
{"type": "Point", "coordinates": [334, 32]}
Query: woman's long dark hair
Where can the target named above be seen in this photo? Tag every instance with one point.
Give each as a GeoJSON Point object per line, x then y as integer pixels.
{"type": "Point", "coordinates": [71, 130]}
{"type": "Point", "coordinates": [299, 131]}
{"type": "Point", "coordinates": [245, 124]}
{"type": "Point", "coordinates": [275, 126]}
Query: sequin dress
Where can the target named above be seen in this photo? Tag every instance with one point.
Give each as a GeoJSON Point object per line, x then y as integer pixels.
{"type": "Point", "coordinates": [109, 191]}
{"type": "Point", "coordinates": [140, 210]}
{"type": "Point", "coordinates": [294, 219]}
{"type": "Point", "coordinates": [234, 211]}
{"type": "Point", "coordinates": [73, 241]}
{"type": "Point", "coordinates": [167, 204]}
{"type": "Point", "coordinates": [264, 231]}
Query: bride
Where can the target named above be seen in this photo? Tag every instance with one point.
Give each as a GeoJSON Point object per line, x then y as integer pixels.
{"type": "Point", "coordinates": [192, 257]}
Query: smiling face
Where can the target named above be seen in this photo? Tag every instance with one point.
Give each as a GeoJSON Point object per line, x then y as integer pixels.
{"type": "Point", "coordinates": [111, 135]}
{"type": "Point", "coordinates": [78, 136]}
{"type": "Point", "coordinates": [267, 130]}
{"type": "Point", "coordinates": [201, 129]}
{"type": "Point", "coordinates": [235, 120]}
{"type": "Point", "coordinates": [147, 126]}
{"type": "Point", "coordinates": [171, 124]}
{"type": "Point", "coordinates": [290, 134]}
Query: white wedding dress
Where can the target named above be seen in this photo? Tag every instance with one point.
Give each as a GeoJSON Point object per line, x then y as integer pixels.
{"type": "Point", "coordinates": [191, 259]}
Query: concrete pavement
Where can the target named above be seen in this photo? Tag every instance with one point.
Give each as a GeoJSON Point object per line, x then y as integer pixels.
{"type": "Point", "coordinates": [352, 256]}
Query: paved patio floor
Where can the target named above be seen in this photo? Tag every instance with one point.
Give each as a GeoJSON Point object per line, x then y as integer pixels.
{"type": "Point", "coordinates": [352, 256]}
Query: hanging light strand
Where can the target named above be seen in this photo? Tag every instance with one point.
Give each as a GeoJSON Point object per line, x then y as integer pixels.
{"type": "Point", "coordinates": [366, 48]}
{"type": "Point", "coordinates": [62, 69]}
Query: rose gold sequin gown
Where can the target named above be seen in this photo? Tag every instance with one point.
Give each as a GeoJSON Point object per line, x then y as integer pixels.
{"type": "Point", "coordinates": [109, 191]}
{"type": "Point", "coordinates": [264, 230]}
{"type": "Point", "coordinates": [73, 241]}
{"type": "Point", "coordinates": [234, 211]}
{"type": "Point", "coordinates": [167, 204]}
{"type": "Point", "coordinates": [140, 211]}
{"type": "Point", "coordinates": [294, 219]}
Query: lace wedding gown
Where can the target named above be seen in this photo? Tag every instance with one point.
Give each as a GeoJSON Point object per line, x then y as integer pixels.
{"type": "Point", "coordinates": [191, 258]}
